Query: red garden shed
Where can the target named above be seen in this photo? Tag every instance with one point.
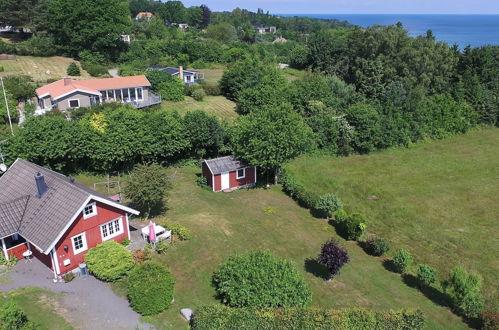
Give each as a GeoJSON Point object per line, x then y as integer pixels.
{"type": "Point", "coordinates": [228, 173]}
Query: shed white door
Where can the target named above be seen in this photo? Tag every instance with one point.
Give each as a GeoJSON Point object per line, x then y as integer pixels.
{"type": "Point", "coordinates": [225, 181]}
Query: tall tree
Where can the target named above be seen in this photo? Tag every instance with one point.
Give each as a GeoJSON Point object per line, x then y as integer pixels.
{"type": "Point", "coordinates": [271, 136]}
{"type": "Point", "coordinates": [206, 16]}
{"type": "Point", "coordinates": [94, 25]}
{"type": "Point", "coordinates": [173, 12]}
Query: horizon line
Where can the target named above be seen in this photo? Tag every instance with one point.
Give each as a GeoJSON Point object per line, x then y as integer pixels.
{"type": "Point", "coordinates": [472, 14]}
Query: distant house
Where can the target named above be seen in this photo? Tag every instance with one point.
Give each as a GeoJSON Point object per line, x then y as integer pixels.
{"type": "Point", "coordinates": [51, 217]}
{"type": "Point", "coordinates": [125, 38]}
{"type": "Point", "coordinates": [6, 28]}
{"type": "Point", "coordinates": [70, 93]}
{"type": "Point", "coordinates": [264, 30]}
{"type": "Point", "coordinates": [189, 77]}
{"type": "Point", "coordinates": [280, 40]}
{"type": "Point", "coordinates": [145, 15]}
{"type": "Point", "coordinates": [183, 26]}
{"type": "Point", "coordinates": [228, 173]}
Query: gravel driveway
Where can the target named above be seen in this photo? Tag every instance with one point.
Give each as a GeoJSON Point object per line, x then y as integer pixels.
{"type": "Point", "coordinates": [86, 303]}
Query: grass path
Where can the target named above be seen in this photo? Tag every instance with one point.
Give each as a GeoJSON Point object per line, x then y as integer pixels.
{"type": "Point", "coordinates": [439, 200]}
{"type": "Point", "coordinates": [224, 224]}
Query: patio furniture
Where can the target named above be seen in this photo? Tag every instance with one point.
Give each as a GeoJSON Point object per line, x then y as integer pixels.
{"type": "Point", "coordinates": [27, 255]}
{"type": "Point", "coordinates": [161, 233]}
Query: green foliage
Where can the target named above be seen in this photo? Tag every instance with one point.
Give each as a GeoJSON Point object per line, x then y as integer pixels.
{"type": "Point", "coordinates": [11, 262]}
{"type": "Point", "coordinates": [109, 261]}
{"type": "Point", "coordinates": [328, 204]}
{"type": "Point", "coordinates": [222, 32]}
{"type": "Point", "coordinates": [161, 246]}
{"type": "Point", "coordinates": [147, 187]}
{"type": "Point", "coordinates": [20, 87]}
{"type": "Point", "coordinates": [222, 317]}
{"type": "Point", "coordinates": [172, 89]}
{"type": "Point", "coordinates": [199, 94]}
{"type": "Point", "coordinates": [376, 246]}
{"type": "Point", "coordinates": [94, 69]}
{"type": "Point", "coordinates": [353, 227]}
{"type": "Point", "coordinates": [365, 120]}
{"type": "Point", "coordinates": [205, 133]}
{"type": "Point", "coordinates": [125, 242]}
{"type": "Point", "coordinates": [69, 277]}
{"type": "Point", "coordinates": [340, 215]}
{"type": "Point", "coordinates": [464, 290]}
{"type": "Point", "coordinates": [104, 22]}
{"type": "Point", "coordinates": [150, 288]}
{"type": "Point", "coordinates": [260, 279]}
{"type": "Point", "coordinates": [73, 69]}
{"type": "Point", "coordinates": [402, 260]}
{"type": "Point", "coordinates": [296, 190]}
{"type": "Point", "coordinates": [178, 229]}
{"type": "Point", "coordinates": [12, 317]}
{"type": "Point", "coordinates": [202, 182]}
{"type": "Point", "coordinates": [427, 275]}
{"type": "Point", "coordinates": [271, 136]}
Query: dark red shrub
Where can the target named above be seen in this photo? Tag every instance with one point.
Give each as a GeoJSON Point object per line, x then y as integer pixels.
{"type": "Point", "coordinates": [333, 257]}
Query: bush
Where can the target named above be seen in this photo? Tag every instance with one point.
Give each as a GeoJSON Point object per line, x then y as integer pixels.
{"type": "Point", "coordinates": [464, 290]}
{"type": "Point", "coordinates": [211, 89]}
{"type": "Point", "coordinates": [376, 246]}
{"type": "Point", "coordinates": [109, 261]}
{"type": "Point", "coordinates": [198, 94]}
{"type": "Point", "coordinates": [222, 317]}
{"type": "Point", "coordinates": [354, 226]}
{"type": "Point", "coordinates": [202, 182]}
{"type": "Point", "coordinates": [296, 190]}
{"type": "Point", "coordinates": [172, 90]}
{"type": "Point", "coordinates": [162, 246]}
{"type": "Point", "coordinates": [12, 317]}
{"type": "Point", "coordinates": [181, 231]}
{"type": "Point", "coordinates": [490, 320]}
{"type": "Point", "coordinates": [402, 260]}
{"type": "Point", "coordinates": [260, 279]}
{"type": "Point", "coordinates": [340, 215]}
{"type": "Point", "coordinates": [427, 275]}
{"type": "Point", "coordinates": [327, 204]}
{"type": "Point", "coordinates": [150, 288]}
{"type": "Point", "coordinates": [69, 277]}
{"type": "Point", "coordinates": [73, 69]}
{"type": "Point", "coordinates": [333, 257]}
{"type": "Point", "coordinates": [93, 69]}
{"type": "Point", "coordinates": [125, 242]}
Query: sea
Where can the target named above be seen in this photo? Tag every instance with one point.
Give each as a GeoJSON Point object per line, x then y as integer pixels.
{"type": "Point", "coordinates": [462, 30]}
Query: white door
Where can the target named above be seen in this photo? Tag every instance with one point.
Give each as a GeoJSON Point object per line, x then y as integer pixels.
{"type": "Point", "coordinates": [225, 181]}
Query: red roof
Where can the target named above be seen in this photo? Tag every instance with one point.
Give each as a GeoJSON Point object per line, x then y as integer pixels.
{"type": "Point", "coordinates": [143, 14]}
{"type": "Point", "coordinates": [66, 86]}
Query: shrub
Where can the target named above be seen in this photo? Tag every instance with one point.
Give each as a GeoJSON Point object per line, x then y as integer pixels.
{"type": "Point", "coordinates": [296, 190]}
{"type": "Point", "coordinates": [427, 275]}
{"type": "Point", "coordinates": [354, 226]}
{"type": "Point", "coordinates": [172, 90]}
{"type": "Point", "coordinates": [181, 231]}
{"type": "Point", "coordinates": [327, 204]}
{"type": "Point", "coordinates": [340, 215]}
{"type": "Point", "coordinates": [211, 89]}
{"type": "Point", "coordinates": [2, 69]}
{"type": "Point", "coordinates": [260, 279]}
{"type": "Point", "coordinates": [69, 277]}
{"type": "Point", "coordinates": [333, 257]}
{"type": "Point", "coordinates": [490, 320]}
{"type": "Point", "coordinates": [73, 69]}
{"type": "Point", "coordinates": [125, 242]}
{"type": "Point", "coordinates": [198, 94]}
{"type": "Point", "coordinates": [150, 288]}
{"type": "Point", "coordinates": [222, 317]}
{"type": "Point", "coordinates": [464, 290]}
{"type": "Point", "coordinates": [12, 317]}
{"type": "Point", "coordinates": [93, 69]}
{"type": "Point", "coordinates": [376, 246]}
{"type": "Point", "coordinates": [402, 260]}
{"type": "Point", "coordinates": [11, 262]}
{"type": "Point", "coordinates": [162, 246]}
{"type": "Point", "coordinates": [109, 261]}
{"type": "Point", "coordinates": [202, 182]}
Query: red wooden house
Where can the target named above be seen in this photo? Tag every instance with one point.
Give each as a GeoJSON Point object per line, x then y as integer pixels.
{"type": "Point", "coordinates": [54, 217]}
{"type": "Point", "coordinates": [228, 173]}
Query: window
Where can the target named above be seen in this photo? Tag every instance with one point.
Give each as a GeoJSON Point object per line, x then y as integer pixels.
{"type": "Point", "coordinates": [241, 173]}
{"type": "Point", "coordinates": [89, 211]}
{"type": "Point", "coordinates": [79, 243]}
{"type": "Point", "coordinates": [74, 103]}
{"type": "Point", "coordinates": [139, 94]}
{"type": "Point", "coordinates": [111, 229]}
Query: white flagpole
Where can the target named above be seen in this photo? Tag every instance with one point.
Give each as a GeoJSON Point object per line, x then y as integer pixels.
{"type": "Point", "coordinates": [7, 106]}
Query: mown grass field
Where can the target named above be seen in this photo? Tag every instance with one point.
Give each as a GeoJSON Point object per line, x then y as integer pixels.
{"type": "Point", "coordinates": [440, 200]}
{"type": "Point", "coordinates": [214, 105]}
{"type": "Point", "coordinates": [40, 307]}
{"type": "Point", "coordinates": [39, 68]}
{"type": "Point", "coordinates": [212, 75]}
{"type": "Point", "coordinates": [225, 224]}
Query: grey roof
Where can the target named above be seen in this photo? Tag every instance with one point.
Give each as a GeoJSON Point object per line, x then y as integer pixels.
{"type": "Point", "coordinates": [171, 70]}
{"type": "Point", "coordinates": [225, 164]}
{"type": "Point", "coordinates": [39, 220]}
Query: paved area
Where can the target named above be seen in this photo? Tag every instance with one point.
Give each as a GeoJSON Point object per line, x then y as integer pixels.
{"type": "Point", "coordinates": [138, 242]}
{"type": "Point", "coordinates": [86, 303]}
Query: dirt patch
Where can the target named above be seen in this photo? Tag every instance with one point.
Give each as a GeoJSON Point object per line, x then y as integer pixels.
{"type": "Point", "coordinates": [55, 305]}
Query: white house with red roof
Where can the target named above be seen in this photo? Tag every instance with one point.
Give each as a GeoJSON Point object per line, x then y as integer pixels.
{"type": "Point", "coordinates": [144, 15]}
{"type": "Point", "coordinates": [70, 93]}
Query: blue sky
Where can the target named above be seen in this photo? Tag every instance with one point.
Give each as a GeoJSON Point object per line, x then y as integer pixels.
{"type": "Point", "coordinates": [357, 6]}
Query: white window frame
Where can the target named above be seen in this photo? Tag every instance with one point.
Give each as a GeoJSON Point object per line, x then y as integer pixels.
{"type": "Point", "coordinates": [242, 176]}
{"type": "Point", "coordinates": [69, 103]}
{"type": "Point", "coordinates": [115, 233]}
{"type": "Point", "coordinates": [141, 94]}
{"type": "Point", "coordinates": [94, 211]}
{"type": "Point", "coordinates": [84, 241]}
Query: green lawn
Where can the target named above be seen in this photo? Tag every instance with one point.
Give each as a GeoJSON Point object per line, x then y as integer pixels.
{"type": "Point", "coordinates": [224, 224]}
{"type": "Point", "coordinates": [40, 306]}
{"type": "Point", "coordinates": [440, 200]}
{"type": "Point", "coordinates": [40, 68]}
{"type": "Point", "coordinates": [215, 105]}
{"type": "Point", "coordinates": [212, 75]}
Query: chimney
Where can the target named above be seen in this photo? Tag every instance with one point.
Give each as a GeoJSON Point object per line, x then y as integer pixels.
{"type": "Point", "coordinates": [41, 186]}
{"type": "Point", "coordinates": [181, 73]}
{"type": "Point", "coordinates": [67, 81]}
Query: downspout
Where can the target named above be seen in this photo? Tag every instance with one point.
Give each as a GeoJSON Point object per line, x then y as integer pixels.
{"type": "Point", "coordinates": [4, 248]}
{"type": "Point", "coordinates": [53, 265]}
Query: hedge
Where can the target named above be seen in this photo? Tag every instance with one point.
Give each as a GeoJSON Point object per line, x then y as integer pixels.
{"type": "Point", "coordinates": [297, 191]}
{"type": "Point", "coordinates": [109, 261]}
{"type": "Point", "coordinates": [222, 317]}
